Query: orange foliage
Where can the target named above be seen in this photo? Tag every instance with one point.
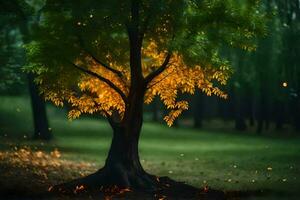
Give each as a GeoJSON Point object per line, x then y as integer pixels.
{"type": "Point", "coordinates": [98, 97]}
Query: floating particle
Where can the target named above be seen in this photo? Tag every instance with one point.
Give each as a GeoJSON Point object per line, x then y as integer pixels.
{"type": "Point", "coordinates": [269, 168]}
{"type": "Point", "coordinates": [206, 188]}
{"type": "Point", "coordinates": [284, 84]}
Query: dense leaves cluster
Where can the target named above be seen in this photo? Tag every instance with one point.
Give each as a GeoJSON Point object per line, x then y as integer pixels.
{"type": "Point", "coordinates": [81, 53]}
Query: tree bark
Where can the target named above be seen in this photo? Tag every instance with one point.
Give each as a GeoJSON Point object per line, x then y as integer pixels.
{"type": "Point", "coordinates": [123, 156]}
{"type": "Point", "coordinates": [122, 166]}
{"type": "Point", "coordinates": [197, 110]}
{"type": "Point", "coordinates": [279, 114]}
{"type": "Point", "coordinates": [296, 113]}
{"type": "Point", "coordinates": [41, 127]}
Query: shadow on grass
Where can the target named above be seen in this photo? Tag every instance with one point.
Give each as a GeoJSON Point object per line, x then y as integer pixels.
{"type": "Point", "coordinates": [176, 193]}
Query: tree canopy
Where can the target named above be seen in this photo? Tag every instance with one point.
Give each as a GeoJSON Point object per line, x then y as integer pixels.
{"type": "Point", "coordinates": [91, 54]}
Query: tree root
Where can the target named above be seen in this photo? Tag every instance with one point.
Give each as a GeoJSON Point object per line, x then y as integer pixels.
{"type": "Point", "coordinates": [110, 184]}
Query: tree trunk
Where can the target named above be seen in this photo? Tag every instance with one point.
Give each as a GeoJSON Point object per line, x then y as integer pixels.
{"type": "Point", "coordinates": [249, 106]}
{"type": "Point", "coordinates": [239, 118]}
{"type": "Point", "coordinates": [279, 114]}
{"type": "Point", "coordinates": [123, 162]}
{"type": "Point", "coordinates": [123, 170]}
{"type": "Point", "coordinates": [41, 128]}
{"type": "Point", "coordinates": [122, 166]}
{"type": "Point", "coordinates": [262, 115]}
{"type": "Point", "coordinates": [240, 123]}
{"type": "Point", "coordinates": [296, 113]}
{"type": "Point", "coordinates": [197, 109]}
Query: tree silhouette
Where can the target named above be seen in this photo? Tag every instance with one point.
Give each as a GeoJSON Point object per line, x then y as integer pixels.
{"type": "Point", "coordinates": [111, 57]}
{"type": "Point", "coordinates": [20, 15]}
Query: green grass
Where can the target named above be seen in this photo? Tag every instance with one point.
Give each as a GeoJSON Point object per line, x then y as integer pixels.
{"type": "Point", "coordinates": [221, 160]}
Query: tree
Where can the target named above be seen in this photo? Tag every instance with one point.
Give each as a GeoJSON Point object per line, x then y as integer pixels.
{"type": "Point", "coordinates": [197, 108]}
{"type": "Point", "coordinates": [289, 20]}
{"type": "Point", "coordinates": [19, 16]}
{"type": "Point", "coordinates": [9, 66]}
{"type": "Point", "coordinates": [238, 90]}
{"type": "Point", "coordinates": [111, 57]}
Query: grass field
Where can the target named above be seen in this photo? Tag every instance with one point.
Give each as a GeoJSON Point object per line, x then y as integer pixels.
{"type": "Point", "coordinates": [221, 160]}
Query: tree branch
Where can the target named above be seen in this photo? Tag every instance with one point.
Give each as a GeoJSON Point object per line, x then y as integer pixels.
{"type": "Point", "coordinates": [166, 76]}
{"type": "Point", "coordinates": [109, 117]}
{"type": "Point", "coordinates": [106, 66]}
{"type": "Point", "coordinates": [157, 72]}
{"type": "Point", "coordinates": [118, 73]}
{"type": "Point", "coordinates": [108, 82]}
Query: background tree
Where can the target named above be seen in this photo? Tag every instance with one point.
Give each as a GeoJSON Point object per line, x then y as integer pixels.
{"type": "Point", "coordinates": [289, 25]}
{"type": "Point", "coordinates": [111, 57]}
{"type": "Point", "coordinates": [19, 16]}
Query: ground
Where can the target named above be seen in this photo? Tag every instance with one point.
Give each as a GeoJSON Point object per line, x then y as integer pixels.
{"type": "Point", "coordinates": [267, 167]}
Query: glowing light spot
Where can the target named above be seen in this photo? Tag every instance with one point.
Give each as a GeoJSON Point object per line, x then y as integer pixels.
{"type": "Point", "coordinates": [78, 23]}
{"type": "Point", "coordinates": [50, 188]}
{"type": "Point", "coordinates": [91, 15]}
{"type": "Point", "coordinates": [269, 168]}
{"type": "Point", "coordinates": [284, 84]}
